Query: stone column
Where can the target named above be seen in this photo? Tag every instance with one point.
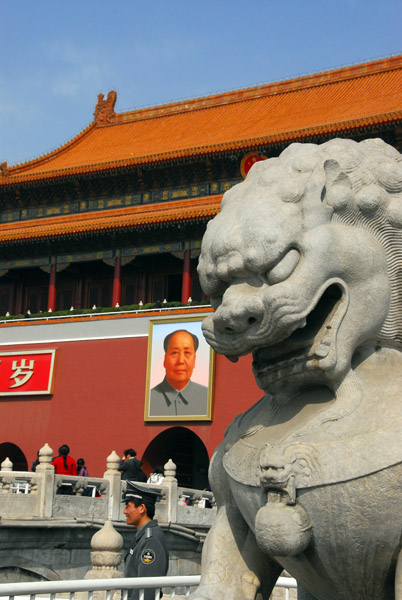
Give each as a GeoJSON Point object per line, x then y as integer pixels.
{"type": "Point", "coordinates": [106, 556]}
{"type": "Point", "coordinates": [116, 296]}
{"type": "Point", "coordinates": [170, 482]}
{"type": "Point", "coordinates": [51, 301]}
{"type": "Point", "coordinates": [186, 283]}
{"type": "Point", "coordinates": [46, 486]}
{"type": "Point", "coordinates": [114, 478]}
{"type": "Point", "coordinates": [6, 465]}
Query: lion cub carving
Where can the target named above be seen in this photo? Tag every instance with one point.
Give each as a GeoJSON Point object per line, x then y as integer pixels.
{"type": "Point", "coordinates": [304, 269]}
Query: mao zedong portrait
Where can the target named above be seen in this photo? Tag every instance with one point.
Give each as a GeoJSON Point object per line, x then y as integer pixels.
{"type": "Point", "coordinates": [177, 395]}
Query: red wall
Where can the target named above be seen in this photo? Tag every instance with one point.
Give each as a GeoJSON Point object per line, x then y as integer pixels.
{"type": "Point", "coordinates": [98, 403]}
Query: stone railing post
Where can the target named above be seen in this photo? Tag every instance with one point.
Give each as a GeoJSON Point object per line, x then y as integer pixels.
{"type": "Point", "coordinates": [114, 478]}
{"type": "Point", "coordinates": [106, 556]}
{"type": "Point", "coordinates": [170, 482]}
{"type": "Point", "coordinates": [46, 485]}
{"type": "Point", "coordinates": [6, 465]}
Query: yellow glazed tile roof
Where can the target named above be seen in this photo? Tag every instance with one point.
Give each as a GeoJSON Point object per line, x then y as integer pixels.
{"type": "Point", "coordinates": [327, 103]}
{"type": "Point", "coordinates": [136, 216]}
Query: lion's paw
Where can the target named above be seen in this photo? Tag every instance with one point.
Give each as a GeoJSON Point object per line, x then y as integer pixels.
{"type": "Point", "coordinates": [247, 591]}
{"type": "Point", "coordinates": [250, 585]}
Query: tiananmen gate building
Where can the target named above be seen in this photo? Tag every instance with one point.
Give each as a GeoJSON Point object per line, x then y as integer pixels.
{"type": "Point", "coordinates": [101, 237]}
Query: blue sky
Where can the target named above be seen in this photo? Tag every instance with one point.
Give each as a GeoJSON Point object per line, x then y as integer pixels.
{"type": "Point", "coordinates": [57, 56]}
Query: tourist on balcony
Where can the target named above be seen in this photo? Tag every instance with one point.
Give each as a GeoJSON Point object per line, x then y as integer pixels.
{"type": "Point", "coordinates": [130, 467]}
{"type": "Point", "coordinates": [148, 555]}
{"type": "Point", "coordinates": [82, 471]}
{"type": "Point", "coordinates": [157, 476]}
{"type": "Point", "coordinates": [64, 464]}
{"type": "Point", "coordinates": [35, 462]}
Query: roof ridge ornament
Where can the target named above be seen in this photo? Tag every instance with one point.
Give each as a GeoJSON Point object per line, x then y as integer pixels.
{"type": "Point", "coordinates": [104, 110]}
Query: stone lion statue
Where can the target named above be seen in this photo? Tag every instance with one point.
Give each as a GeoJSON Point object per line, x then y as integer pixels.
{"type": "Point", "coordinates": [303, 266]}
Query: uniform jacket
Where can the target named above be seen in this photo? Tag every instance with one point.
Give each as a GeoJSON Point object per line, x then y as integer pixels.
{"type": "Point", "coordinates": [166, 401]}
{"type": "Point", "coordinates": [148, 556]}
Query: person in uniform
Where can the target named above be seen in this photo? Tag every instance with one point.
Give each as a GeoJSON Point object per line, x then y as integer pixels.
{"type": "Point", "coordinates": [177, 395]}
{"type": "Point", "coordinates": [148, 555]}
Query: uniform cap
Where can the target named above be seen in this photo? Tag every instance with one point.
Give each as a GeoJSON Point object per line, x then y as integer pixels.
{"type": "Point", "coordinates": [135, 491]}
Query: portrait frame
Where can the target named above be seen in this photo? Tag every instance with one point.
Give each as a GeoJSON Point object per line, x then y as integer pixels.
{"type": "Point", "coordinates": [202, 375]}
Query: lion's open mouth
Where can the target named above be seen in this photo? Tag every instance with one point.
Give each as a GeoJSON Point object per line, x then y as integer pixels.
{"type": "Point", "coordinates": [313, 341]}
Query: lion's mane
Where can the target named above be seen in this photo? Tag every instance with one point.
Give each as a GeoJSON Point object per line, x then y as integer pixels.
{"type": "Point", "coordinates": [369, 197]}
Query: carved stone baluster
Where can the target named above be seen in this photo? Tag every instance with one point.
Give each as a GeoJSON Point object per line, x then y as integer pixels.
{"type": "Point", "coordinates": [106, 556]}
{"type": "Point", "coordinates": [170, 482]}
{"type": "Point", "coordinates": [6, 465]}
{"type": "Point", "coordinates": [45, 458]}
{"type": "Point", "coordinates": [170, 471]}
{"type": "Point", "coordinates": [46, 484]}
{"type": "Point", "coordinates": [112, 475]}
{"type": "Point", "coordinates": [33, 482]}
{"type": "Point", "coordinates": [80, 486]}
{"type": "Point", "coordinates": [5, 485]}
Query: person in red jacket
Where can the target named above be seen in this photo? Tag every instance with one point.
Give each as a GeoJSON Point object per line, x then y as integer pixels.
{"type": "Point", "coordinates": [64, 464]}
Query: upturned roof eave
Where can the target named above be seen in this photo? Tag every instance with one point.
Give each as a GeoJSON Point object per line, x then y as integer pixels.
{"type": "Point", "coordinates": [111, 220]}
{"type": "Point", "coordinates": [9, 179]}
{"type": "Point", "coordinates": [18, 170]}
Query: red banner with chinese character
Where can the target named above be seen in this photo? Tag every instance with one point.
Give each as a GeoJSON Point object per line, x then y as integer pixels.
{"type": "Point", "coordinates": [27, 373]}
